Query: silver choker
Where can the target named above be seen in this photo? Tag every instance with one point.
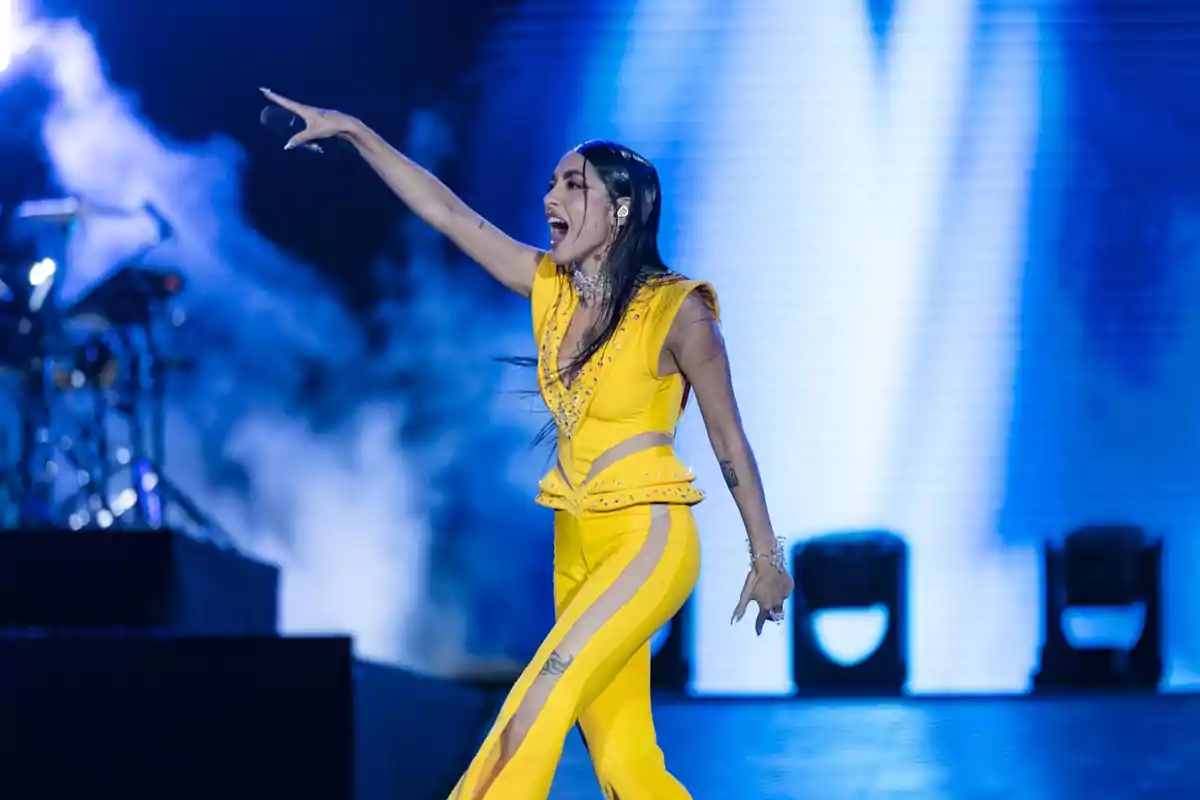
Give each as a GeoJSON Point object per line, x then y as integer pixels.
{"type": "Point", "coordinates": [590, 288]}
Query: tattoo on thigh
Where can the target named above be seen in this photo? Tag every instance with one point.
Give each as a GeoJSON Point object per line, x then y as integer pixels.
{"type": "Point", "coordinates": [730, 475]}
{"type": "Point", "coordinates": [556, 664]}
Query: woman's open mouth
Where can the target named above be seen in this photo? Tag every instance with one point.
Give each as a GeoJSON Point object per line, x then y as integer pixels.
{"type": "Point", "coordinates": [558, 230]}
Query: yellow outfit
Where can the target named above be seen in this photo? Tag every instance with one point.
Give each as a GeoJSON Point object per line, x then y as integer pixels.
{"type": "Point", "coordinates": [626, 557]}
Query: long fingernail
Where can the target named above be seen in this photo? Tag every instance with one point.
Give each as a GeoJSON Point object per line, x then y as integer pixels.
{"type": "Point", "coordinates": [263, 89]}
{"type": "Point", "coordinates": [288, 146]}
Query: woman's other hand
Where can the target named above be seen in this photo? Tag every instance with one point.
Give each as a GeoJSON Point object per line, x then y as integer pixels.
{"type": "Point", "coordinates": [768, 586]}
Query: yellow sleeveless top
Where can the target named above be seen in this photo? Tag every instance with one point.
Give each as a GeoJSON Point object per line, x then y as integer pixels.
{"type": "Point", "coordinates": [615, 396]}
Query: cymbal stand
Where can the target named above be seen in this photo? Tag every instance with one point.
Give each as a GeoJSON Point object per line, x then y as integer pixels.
{"type": "Point", "coordinates": [89, 381]}
{"type": "Point", "coordinates": [33, 508]}
{"type": "Point", "coordinates": [36, 462]}
{"type": "Point", "coordinates": [156, 492]}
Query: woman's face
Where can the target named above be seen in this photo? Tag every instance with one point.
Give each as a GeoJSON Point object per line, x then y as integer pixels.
{"type": "Point", "coordinates": [579, 212]}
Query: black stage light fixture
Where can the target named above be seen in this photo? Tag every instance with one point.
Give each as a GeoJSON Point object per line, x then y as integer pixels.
{"type": "Point", "coordinates": [1102, 571]}
{"type": "Point", "coordinates": [864, 572]}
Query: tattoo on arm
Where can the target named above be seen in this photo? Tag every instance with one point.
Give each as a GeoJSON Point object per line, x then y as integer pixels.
{"type": "Point", "coordinates": [482, 222]}
{"type": "Point", "coordinates": [556, 664]}
{"type": "Point", "coordinates": [730, 474]}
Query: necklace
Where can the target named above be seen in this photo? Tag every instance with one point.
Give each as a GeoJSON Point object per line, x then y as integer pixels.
{"type": "Point", "coordinates": [589, 287]}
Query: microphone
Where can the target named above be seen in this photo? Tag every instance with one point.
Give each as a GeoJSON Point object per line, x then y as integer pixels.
{"type": "Point", "coordinates": [285, 125]}
{"type": "Point", "coordinates": [162, 226]}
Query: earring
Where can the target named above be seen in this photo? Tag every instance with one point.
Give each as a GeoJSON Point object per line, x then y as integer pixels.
{"type": "Point", "coordinates": [622, 212]}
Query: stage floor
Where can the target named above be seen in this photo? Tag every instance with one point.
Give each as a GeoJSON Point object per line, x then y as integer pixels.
{"type": "Point", "coordinates": [1090, 748]}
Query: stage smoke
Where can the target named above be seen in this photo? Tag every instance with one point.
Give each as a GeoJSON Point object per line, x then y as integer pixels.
{"type": "Point", "coordinates": [283, 433]}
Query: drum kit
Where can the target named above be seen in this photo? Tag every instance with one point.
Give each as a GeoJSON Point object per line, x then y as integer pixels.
{"type": "Point", "coordinates": [88, 384]}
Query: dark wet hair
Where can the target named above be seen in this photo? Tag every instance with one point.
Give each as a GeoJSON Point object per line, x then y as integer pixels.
{"type": "Point", "coordinates": [633, 259]}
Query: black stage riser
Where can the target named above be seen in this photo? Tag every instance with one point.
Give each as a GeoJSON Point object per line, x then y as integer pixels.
{"type": "Point", "coordinates": [61, 580]}
{"type": "Point", "coordinates": [255, 718]}
{"type": "Point", "coordinates": [250, 718]}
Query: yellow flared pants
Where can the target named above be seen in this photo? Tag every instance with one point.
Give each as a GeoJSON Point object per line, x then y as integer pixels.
{"type": "Point", "coordinates": [619, 576]}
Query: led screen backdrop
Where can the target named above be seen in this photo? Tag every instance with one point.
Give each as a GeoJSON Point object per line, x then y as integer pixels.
{"type": "Point", "coordinates": [954, 284]}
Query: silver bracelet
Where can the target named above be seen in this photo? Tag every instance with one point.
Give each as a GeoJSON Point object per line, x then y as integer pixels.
{"type": "Point", "coordinates": [775, 556]}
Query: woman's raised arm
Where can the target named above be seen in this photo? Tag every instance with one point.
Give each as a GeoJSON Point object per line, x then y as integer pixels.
{"type": "Point", "coordinates": [505, 259]}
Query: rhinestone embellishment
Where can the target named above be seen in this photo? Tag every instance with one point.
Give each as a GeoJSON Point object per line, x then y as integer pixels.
{"type": "Point", "coordinates": [568, 404]}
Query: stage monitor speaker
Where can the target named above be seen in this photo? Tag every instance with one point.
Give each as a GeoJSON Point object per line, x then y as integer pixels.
{"type": "Point", "coordinates": [1099, 569]}
{"type": "Point", "coordinates": [863, 573]}
{"type": "Point", "coordinates": [144, 717]}
{"type": "Point", "coordinates": [62, 581]}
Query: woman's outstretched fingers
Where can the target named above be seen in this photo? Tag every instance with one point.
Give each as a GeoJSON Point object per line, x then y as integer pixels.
{"type": "Point", "coordinates": [283, 102]}
{"type": "Point", "coordinates": [744, 600]}
{"type": "Point", "coordinates": [319, 123]}
{"type": "Point", "coordinates": [303, 137]}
